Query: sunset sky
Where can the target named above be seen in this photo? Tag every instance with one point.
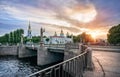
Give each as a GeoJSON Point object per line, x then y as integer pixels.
{"type": "Point", "coordinates": [74, 16]}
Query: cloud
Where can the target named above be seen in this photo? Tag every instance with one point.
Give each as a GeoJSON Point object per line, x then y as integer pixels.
{"type": "Point", "coordinates": [35, 15]}
{"type": "Point", "coordinates": [74, 16]}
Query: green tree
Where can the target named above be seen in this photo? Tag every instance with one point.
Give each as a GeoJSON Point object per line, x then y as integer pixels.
{"type": "Point", "coordinates": [36, 39]}
{"type": "Point", "coordinates": [47, 39]}
{"type": "Point", "coordinates": [113, 36]}
{"type": "Point", "coordinates": [76, 38]}
{"type": "Point", "coordinates": [13, 37]}
{"type": "Point", "coordinates": [6, 38]}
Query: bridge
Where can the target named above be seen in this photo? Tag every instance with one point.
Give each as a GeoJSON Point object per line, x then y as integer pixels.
{"type": "Point", "coordinates": [73, 65]}
{"type": "Point", "coordinates": [71, 55]}
{"type": "Point", "coordinates": [48, 54]}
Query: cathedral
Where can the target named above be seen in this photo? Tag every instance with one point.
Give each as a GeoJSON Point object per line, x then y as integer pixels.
{"type": "Point", "coordinates": [58, 39]}
{"type": "Point", "coordinates": [55, 39]}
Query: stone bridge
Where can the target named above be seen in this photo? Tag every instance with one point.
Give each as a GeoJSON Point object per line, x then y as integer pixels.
{"type": "Point", "coordinates": [48, 54]}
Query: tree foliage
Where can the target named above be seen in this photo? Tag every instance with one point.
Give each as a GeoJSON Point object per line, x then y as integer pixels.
{"type": "Point", "coordinates": [113, 36]}
{"type": "Point", "coordinates": [84, 38]}
{"type": "Point", "coordinates": [35, 39]}
{"type": "Point", "coordinates": [47, 39]}
{"type": "Point", "coordinates": [13, 37]}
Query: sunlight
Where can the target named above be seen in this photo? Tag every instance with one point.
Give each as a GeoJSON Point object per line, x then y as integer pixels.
{"type": "Point", "coordinates": [94, 36]}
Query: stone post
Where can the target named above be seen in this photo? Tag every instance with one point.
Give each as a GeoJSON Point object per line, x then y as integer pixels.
{"type": "Point", "coordinates": [21, 39]}
{"type": "Point", "coordinates": [89, 59]}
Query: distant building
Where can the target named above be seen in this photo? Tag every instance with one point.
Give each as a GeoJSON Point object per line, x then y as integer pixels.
{"type": "Point", "coordinates": [62, 39]}
{"type": "Point", "coordinates": [29, 35]}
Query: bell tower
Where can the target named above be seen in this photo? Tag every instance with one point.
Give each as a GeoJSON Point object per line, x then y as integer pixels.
{"type": "Point", "coordinates": [29, 36]}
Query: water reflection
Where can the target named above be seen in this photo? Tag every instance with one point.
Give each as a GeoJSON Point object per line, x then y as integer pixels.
{"type": "Point", "coordinates": [11, 66]}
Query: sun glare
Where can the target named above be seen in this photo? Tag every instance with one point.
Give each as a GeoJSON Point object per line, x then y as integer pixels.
{"type": "Point", "coordinates": [94, 36]}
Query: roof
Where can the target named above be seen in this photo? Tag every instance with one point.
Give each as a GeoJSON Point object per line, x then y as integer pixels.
{"type": "Point", "coordinates": [57, 37]}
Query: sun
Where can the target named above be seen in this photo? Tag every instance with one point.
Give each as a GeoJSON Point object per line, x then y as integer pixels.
{"type": "Point", "coordinates": [94, 36]}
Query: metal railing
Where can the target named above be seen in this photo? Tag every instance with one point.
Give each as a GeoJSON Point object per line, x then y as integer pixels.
{"type": "Point", "coordinates": [73, 67]}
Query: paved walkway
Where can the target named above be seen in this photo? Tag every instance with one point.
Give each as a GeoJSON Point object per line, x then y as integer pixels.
{"type": "Point", "coordinates": [106, 64]}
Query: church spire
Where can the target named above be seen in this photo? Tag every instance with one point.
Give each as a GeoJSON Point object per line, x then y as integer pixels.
{"type": "Point", "coordinates": [29, 31]}
{"type": "Point", "coordinates": [55, 34]}
{"type": "Point", "coordinates": [61, 34]}
{"type": "Point", "coordinates": [29, 27]}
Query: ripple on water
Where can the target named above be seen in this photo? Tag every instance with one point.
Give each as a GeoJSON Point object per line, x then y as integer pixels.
{"type": "Point", "coordinates": [11, 66]}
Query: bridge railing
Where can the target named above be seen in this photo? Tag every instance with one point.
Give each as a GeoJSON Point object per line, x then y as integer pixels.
{"type": "Point", "coordinates": [72, 67]}
{"type": "Point", "coordinates": [55, 45]}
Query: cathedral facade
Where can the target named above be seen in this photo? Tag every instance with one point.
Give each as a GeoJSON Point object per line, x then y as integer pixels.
{"type": "Point", "coordinates": [58, 39]}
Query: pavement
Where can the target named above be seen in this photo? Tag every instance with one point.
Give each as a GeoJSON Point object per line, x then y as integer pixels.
{"type": "Point", "coordinates": [106, 64]}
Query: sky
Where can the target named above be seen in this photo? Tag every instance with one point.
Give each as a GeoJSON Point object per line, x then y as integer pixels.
{"type": "Point", "coordinates": [94, 17]}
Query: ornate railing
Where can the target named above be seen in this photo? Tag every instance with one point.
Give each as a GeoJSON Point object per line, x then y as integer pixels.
{"type": "Point", "coordinates": [65, 46]}
{"type": "Point", "coordinates": [72, 46]}
{"type": "Point", "coordinates": [73, 67]}
{"type": "Point", "coordinates": [56, 46]}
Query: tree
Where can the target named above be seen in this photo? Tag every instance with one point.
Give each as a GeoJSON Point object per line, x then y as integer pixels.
{"type": "Point", "coordinates": [13, 37]}
{"type": "Point", "coordinates": [113, 36]}
{"type": "Point", "coordinates": [35, 39]}
{"type": "Point", "coordinates": [47, 39]}
{"type": "Point", "coordinates": [6, 38]}
{"type": "Point", "coordinates": [84, 38]}
{"type": "Point", "coordinates": [76, 38]}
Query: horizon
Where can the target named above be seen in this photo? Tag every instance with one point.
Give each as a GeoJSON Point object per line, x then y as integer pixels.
{"type": "Point", "coordinates": [94, 17]}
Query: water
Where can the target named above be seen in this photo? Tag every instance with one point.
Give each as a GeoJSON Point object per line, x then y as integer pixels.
{"type": "Point", "coordinates": [11, 66]}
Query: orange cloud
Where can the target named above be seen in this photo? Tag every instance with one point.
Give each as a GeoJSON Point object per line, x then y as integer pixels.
{"type": "Point", "coordinates": [82, 14]}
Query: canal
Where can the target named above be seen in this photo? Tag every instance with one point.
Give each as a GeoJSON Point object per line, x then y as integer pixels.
{"type": "Point", "coordinates": [11, 66]}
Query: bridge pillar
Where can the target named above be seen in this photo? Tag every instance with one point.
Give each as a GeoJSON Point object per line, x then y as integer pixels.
{"type": "Point", "coordinates": [41, 52]}
{"type": "Point", "coordinates": [24, 52]}
{"type": "Point", "coordinates": [44, 57]}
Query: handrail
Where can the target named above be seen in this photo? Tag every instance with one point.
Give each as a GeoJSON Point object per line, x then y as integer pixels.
{"type": "Point", "coordinates": [59, 63]}
{"type": "Point", "coordinates": [81, 57]}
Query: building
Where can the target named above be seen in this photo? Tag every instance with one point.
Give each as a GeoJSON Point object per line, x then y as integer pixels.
{"type": "Point", "coordinates": [62, 39]}
{"type": "Point", "coordinates": [29, 35]}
